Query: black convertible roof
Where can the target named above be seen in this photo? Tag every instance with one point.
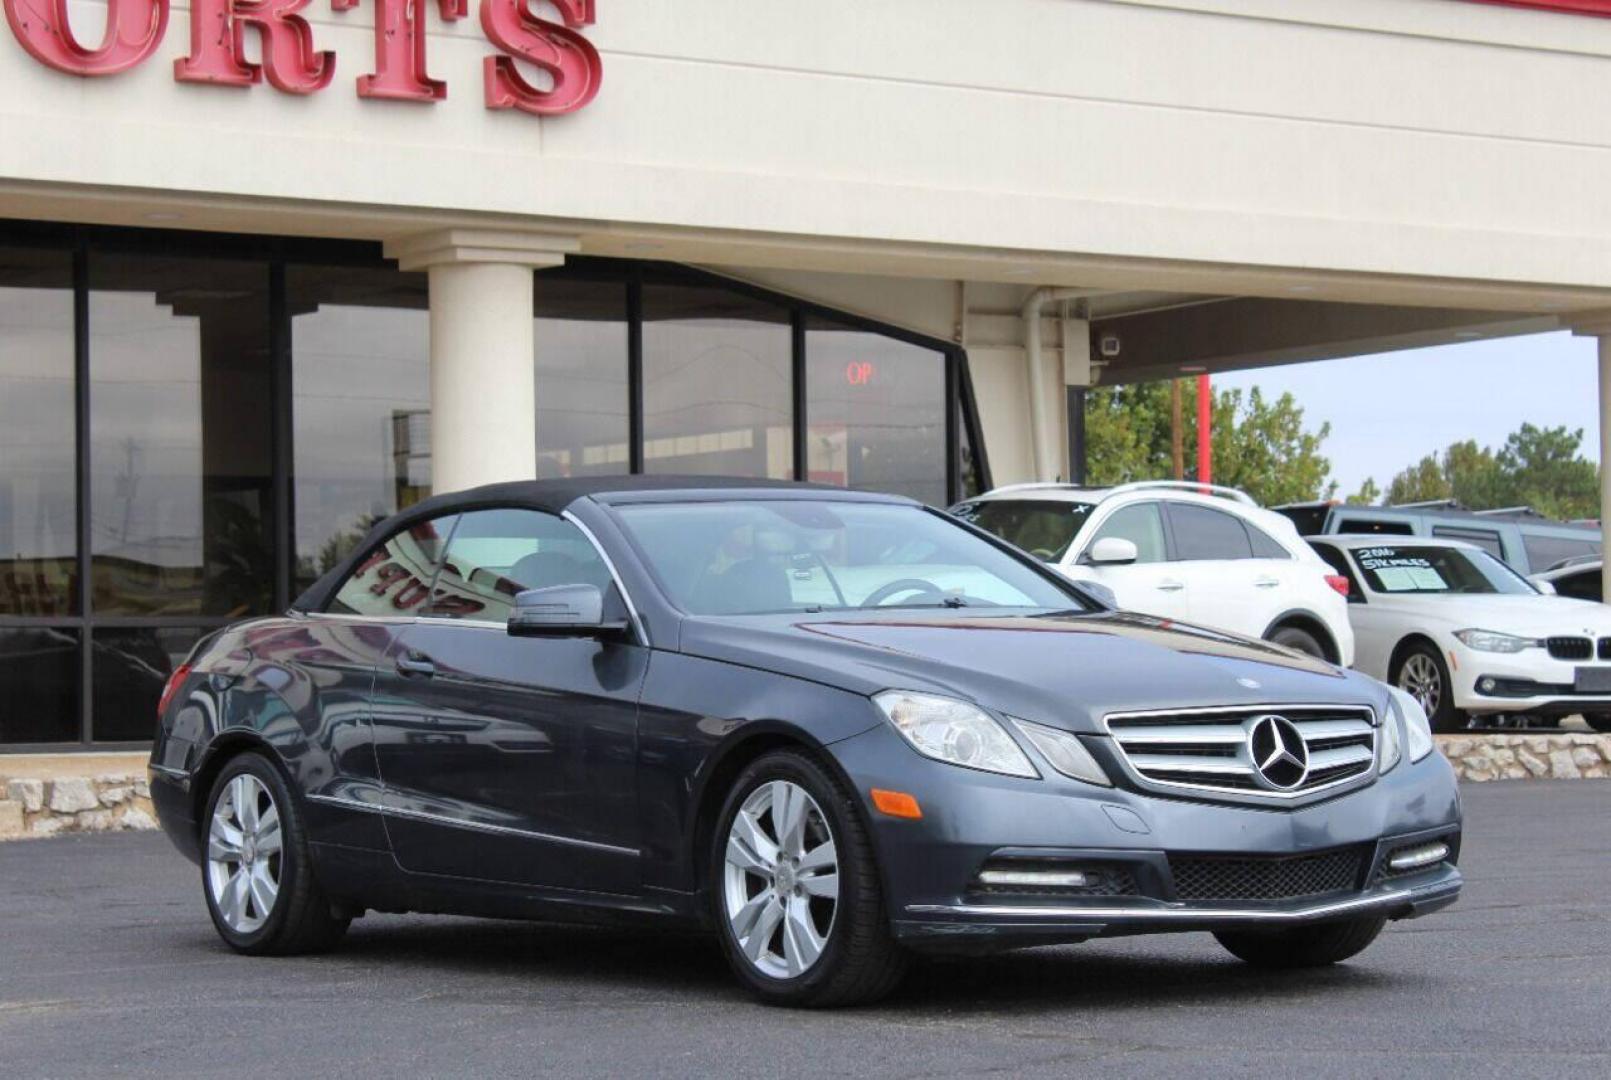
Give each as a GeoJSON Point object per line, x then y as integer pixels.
{"type": "Point", "coordinates": [554, 496]}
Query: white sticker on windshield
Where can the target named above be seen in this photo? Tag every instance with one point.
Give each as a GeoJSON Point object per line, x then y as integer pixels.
{"type": "Point", "coordinates": [1396, 579]}
{"type": "Point", "coordinates": [1428, 580]}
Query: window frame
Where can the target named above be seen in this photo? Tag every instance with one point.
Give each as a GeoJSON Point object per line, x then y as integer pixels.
{"type": "Point", "coordinates": [1096, 526]}
{"type": "Point", "coordinates": [1173, 507]}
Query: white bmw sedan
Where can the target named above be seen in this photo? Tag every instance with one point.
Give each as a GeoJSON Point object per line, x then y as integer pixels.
{"type": "Point", "coordinates": [1464, 634]}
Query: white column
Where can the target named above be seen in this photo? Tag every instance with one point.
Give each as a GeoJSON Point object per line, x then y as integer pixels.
{"type": "Point", "coordinates": [1599, 327]}
{"type": "Point", "coordinates": [483, 378]}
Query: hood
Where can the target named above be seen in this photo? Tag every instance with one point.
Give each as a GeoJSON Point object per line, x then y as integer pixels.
{"type": "Point", "coordinates": [1522, 615]}
{"type": "Point", "coordinates": [1063, 670]}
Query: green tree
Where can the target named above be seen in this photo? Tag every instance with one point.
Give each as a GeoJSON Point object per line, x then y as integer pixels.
{"type": "Point", "coordinates": [1538, 467]}
{"type": "Point", "coordinates": [1367, 495]}
{"type": "Point", "coordinates": [1424, 481]}
{"type": "Point", "coordinates": [1260, 446]}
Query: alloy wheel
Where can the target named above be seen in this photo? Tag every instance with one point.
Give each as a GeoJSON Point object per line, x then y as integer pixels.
{"type": "Point", "coordinates": [781, 879]}
{"type": "Point", "coordinates": [1421, 680]}
{"type": "Point", "coordinates": [244, 857]}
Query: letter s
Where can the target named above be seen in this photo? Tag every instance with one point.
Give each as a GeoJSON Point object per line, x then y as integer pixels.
{"type": "Point", "coordinates": [133, 29]}
{"type": "Point", "coordinates": [559, 50]}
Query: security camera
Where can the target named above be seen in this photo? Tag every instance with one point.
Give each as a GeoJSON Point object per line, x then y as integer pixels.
{"type": "Point", "coordinates": [1110, 345]}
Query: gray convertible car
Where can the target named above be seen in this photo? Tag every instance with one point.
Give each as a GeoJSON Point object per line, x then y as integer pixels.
{"type": "Point", "coordinates": [832, 728]}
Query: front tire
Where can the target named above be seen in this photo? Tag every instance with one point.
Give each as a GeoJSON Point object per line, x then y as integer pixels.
{"type": "Point", "coordinates": [795, 890]}
{"type": "Point", "coordinates": [256, 872]}
{"type": "Point", "coordinates": [1298, 640]}
{"type": "Point", "coordinates": [1422, 674]}
{"type": "Point", "coordinates": [1305, 946]}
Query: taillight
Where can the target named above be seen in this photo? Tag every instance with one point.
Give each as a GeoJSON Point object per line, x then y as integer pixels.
{"type": "Point", "coordinates": [171, 687]}
{"type": "Point", "coordinates": [1338, 582]}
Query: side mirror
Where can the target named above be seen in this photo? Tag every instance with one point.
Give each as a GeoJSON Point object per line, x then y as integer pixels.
{"type": "Point", "coordinates": [561, 611]}
{"type": "Point", "coordinates": [1112, 551]}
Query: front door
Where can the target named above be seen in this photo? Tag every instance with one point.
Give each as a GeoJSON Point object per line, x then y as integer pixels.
{"type": "Point", "coordinates": [1152, 584]}
{"type": "Point", "coordinates": [511, 759]}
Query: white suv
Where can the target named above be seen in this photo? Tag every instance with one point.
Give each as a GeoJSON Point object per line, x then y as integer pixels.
{"type": "Point", "coordinates": [1181, 550]}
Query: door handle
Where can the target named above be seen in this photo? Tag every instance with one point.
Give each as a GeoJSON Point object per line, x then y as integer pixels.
{"type": "Point", "coordinates": [416, 663]}
{"type": "Point", "coordinates": [1170, 586]}
{"type": "Point", "coordinates": [1266, 583]}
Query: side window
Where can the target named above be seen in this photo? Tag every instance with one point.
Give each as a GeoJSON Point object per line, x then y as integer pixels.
{"type": "Point", "coordinates": [497, 554]}
{"type": "Point", "coordinates": [394, 578]}
{"type": "Point", "coordinates": [1201, 533]}
{"type": "Point", "coordinates": [1264, 545]}
{"type": "Point", "coordinates": [1374, 525]}
{"type": "Point", "coordinates": [1545, 551]}
{"type": "Point", "coordinates": [1488, 541]}
{"type": "Point", "coordinates": [1142, 525]}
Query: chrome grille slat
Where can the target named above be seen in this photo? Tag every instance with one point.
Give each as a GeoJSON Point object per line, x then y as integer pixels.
{"type": "Point", "coordinates": [1209, 750]}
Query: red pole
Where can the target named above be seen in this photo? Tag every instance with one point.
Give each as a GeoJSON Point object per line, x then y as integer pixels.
{"type": "Point", "coordinates": [1205, 430]}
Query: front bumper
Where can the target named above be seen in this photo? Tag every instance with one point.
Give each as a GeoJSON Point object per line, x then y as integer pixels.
{"type": "Point", "coordinates": [1530, 681]}
{"type": "Point", "coordinates": [1141, 850]}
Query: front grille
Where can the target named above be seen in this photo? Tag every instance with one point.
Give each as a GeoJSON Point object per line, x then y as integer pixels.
{"type": "Point", "coordinates": [1213, 749]}
{"type": "Point", "coordinates": [1605, 648]}
{"type": "Point", "coordinates": [1570, 648]}
{"type": "Point", "coordinates": [1215, 877]}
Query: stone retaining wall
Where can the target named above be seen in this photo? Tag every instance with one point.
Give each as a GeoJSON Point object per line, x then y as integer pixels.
{"type": "Point", "coordinates": [1524, 756]}
{"type": "Point", "coordinates": [102, 803]}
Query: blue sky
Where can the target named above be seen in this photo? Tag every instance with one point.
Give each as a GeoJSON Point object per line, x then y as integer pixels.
{"type": "Point", "coordinates": [1388, 411]}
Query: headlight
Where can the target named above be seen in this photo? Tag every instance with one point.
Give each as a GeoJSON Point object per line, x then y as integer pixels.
{"type": "Point", "coordinates": [1493, 641]}
{"type": "Point", "coordinates": [1063, 752]}
{"type": "Point", "coordinates": [953, 731]}
{"type": "Point", "coordinates": [1392, 751]}
{"type": "Point", "coordinates": [1417, 728]}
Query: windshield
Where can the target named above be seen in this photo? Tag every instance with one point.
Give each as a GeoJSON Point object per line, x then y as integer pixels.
{"type": "Point", "coordinates": [1437, 570]}
{"type": "Point", "coordinates": [751, 558]}
{"type": "Point", "coordinates": [1044, 528]}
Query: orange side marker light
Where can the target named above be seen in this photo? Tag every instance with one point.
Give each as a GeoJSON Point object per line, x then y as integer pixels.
{"type": "Point", "coordinates": [897, 804]}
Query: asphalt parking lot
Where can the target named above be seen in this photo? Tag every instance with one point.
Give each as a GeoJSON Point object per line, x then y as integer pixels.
{"type": "Point", "coordinates": [108, 966]}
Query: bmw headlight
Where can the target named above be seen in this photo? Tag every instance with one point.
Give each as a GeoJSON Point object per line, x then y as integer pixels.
{"type": "Point", "coordinates": [1494, 641]}
{"type": "Point", "coordinates": [1064, 752]}
{"type": "Point", "coordinates": [954, 731]}
{"type": "Point", "coordinates": [1417, 728]}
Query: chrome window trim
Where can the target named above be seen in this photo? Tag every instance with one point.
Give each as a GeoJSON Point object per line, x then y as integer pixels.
{"type": "Point", "coordinates": [472, 826]}
{"type": "Point", "coordinates": [1252, 797]}
{"type": "Point", "coordinates": [638, 626]}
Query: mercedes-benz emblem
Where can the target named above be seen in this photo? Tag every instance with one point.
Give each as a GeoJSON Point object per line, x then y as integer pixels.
{"type": "Point", "coordinates": [1279, 753]}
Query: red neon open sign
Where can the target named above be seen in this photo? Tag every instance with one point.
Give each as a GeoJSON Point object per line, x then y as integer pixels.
{"type": "Point", "coordinates": [860, 372]}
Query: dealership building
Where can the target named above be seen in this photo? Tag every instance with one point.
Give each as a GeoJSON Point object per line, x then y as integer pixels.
{"type": "Point", "coordinates": [267, 277]}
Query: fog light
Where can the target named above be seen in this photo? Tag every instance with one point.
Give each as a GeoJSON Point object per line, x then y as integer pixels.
{"type": "Point", "coordinates": [1487, 686]}
{"type": "Point", "coordinates": [1060, 879]}
{"type": "Point", "coordinates": [1416, 857]}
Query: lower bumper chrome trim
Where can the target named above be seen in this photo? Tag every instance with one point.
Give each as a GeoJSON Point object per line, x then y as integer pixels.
{"type": "Point", "coordinates": [1444, 889]}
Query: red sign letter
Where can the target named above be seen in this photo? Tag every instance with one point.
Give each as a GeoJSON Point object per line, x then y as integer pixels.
{"type": "Point", "coordinates": [400, 49]}
{"type": "Point", "coordinates": [133, 29]}
{"type": "Point", "coordinates": [217, 54]}
{"type": "Point", "coordinates": [559, 50]}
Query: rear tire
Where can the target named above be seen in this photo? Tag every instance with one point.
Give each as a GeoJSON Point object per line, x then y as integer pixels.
{"type": "Point", "coordinates": [1304, 947]}
{"type": "Point", "coordinates": [769, 882]}
{"type": "Point", "coordinates": [1421, 673]}
{"type": "Point", "coordinates": [256, 872]}
{"type": "Point", "coordinates": [1598, 721]}
{"type": "Point", "coordinates": [1298, 640]}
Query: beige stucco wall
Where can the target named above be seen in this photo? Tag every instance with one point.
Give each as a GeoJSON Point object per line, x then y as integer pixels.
{"type": "Point", "coordinates": [1425, 137]}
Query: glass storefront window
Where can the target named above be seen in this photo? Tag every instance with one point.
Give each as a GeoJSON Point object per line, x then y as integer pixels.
{"type": "Point", "coordinates": [38, 500]}
{"type": "Point", "coordinates": [180, 436]}
{"type": "Point", "coordinates": [875, 411]}
{"type": "Point", "coordinates": [581, 378]}
{"type": "Point", "coordinates": [38, 685]}
{"type": "Point", "coordinates": [130, 668]}
{"type": "Point", "coordinates": [361, 401]}
{"type": "Point", "coordinates": [717, 383]}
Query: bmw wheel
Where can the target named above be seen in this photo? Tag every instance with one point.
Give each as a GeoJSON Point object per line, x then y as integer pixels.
{"type": "Point", "coordinates": [256, 872]}
{"type": "Point", "coordinates": [795, 891]}
{"type": "Point", "coordinates": [1423, 675]}
{"type": "Point", "coordinates": [1304, 946]}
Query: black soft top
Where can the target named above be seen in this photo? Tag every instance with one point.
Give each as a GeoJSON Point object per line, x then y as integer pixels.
{"type": "Point", "coordinates": [554, 496]}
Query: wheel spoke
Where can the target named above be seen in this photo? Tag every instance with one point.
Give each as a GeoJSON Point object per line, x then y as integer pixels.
{"type": "Point", "coordinates": [740, 854]}
{"type": "Point", "coordinates": [233, 901]}
{"type": "Point", "coordinates": [761, 934]}
{"type": "Point", "coordinates": [747, 832]}
{"type": "Point", "coordinates": [743, 919]}
{"type": "Point", "coordinates": [223, 842]}
{"type": "Point", "coordinates": [801, 942]}
{"type": "Point", "coordinates": [821, 857]}
{"type": "Point", "coordinates": [824, 885]}
{"type": "Point", "coordinates": [268, 832]}
{"type": "Point", "coordinates": [243, 792]}
{"type": "Point", "coordinates": [264, 890]}
{"type": "Point", "coordinates": [788, 816]}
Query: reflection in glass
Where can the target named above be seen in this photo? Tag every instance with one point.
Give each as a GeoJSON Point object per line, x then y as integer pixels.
{"type": "Point", "coordinates": [876, 411]}
{"type": "Point", "coordinates": [38, 513]}
{"type": "Point", "coordinates": [38, 685]}
{"type": "Point", "coordinates": [361, 399]}
{"type": "Point", "coordinates": [180, 434]}
{"type": "Point", "coordinates": [495, 555]}
{"type": "Point", "coordinates": [131, 666]}
{"type": "Point", "coordinates": [717, 384]}
{"type": "Point", "coordinates": [581, 378]}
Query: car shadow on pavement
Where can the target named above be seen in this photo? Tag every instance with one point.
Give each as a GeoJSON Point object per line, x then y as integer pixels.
{"type": "Point", "coordinates": [690, 964]}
